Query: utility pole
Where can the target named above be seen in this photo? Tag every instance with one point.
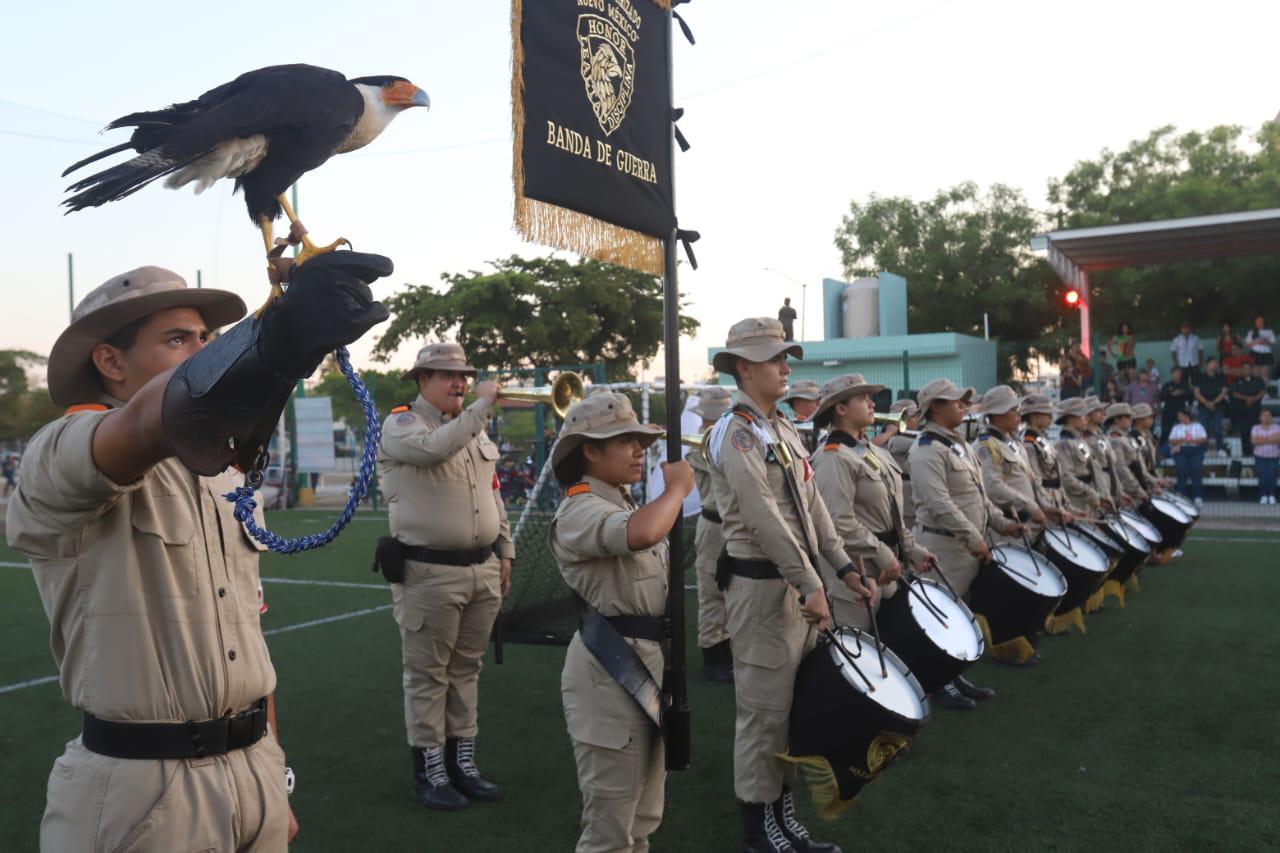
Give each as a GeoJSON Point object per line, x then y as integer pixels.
{"type": "Point", "coordinates": [301, 482]}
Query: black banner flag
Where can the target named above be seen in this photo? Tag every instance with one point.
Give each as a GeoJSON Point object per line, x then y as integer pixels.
{"type": "Point", "coordinates": [592, 117]}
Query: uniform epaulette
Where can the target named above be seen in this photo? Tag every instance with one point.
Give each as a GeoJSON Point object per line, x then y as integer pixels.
{"type": "Point", "coordinates": [925, 440]}
{"type": "Point", "coordinates": [1029, 439]}
{"type": "Point", "coordinates": [86, 407]}
{"type": "Point", "coordinates": [827, 448]}
{"type": "Point", "coordinates": [578, 489]}
{"type": "Point", "coordinates": [400, 409]}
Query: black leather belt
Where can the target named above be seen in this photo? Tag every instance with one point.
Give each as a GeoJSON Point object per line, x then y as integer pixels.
{"type": "Point", "coordinates": [638, 627]}
{"type": "Point", "coordinates": [888, 537]}
{"type": "Point", "coordinates": [1051, 484]}
{"type": "Point", "coordinates": [171, 741]}
{"type": "Point", "coordinates": [447, 558]}
{"type": "Point", "coordinates": [712, 516]}
{"type": "Point", "coordinates": [1086, 478]}
{"type": "Point", "coordinates": [938, 530]}
{"type": "Point", "coordinates": [759, 570]}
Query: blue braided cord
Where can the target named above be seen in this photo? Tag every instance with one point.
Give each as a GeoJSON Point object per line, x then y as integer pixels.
{"type": "Point", "coordinates": [242, 497]}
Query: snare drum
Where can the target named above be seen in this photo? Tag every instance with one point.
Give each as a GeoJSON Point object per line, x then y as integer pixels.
{"type": "Point", "coordinates": [933, 632]}
{"type": "Point", "coordinates": [840, 731]}
{"type": "Point", "coordinates": [1185, 504]}
{"type": "Point", "coordinates": [1144, 527]}
{"type": "Point", "coordinates": [1083, 563]}
{"type": "Point", "coordinates": [1102, 537]}
{"type": "Point", "coordinates": [1169, 519]}
{"type": "Point", "coordinates": [1136, 551]}
{"type": "Point", "coordinates": [1016, 592]}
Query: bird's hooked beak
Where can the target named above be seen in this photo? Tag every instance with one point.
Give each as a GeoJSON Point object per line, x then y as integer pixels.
{"type": "Point", "coordinates": [405, 94]}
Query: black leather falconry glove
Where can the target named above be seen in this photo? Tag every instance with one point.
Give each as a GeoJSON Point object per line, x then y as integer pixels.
{"type": "Point", "coordinates": [222, 404]}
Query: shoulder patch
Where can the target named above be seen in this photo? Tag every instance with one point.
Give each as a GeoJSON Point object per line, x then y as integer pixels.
{"type": "Point", "coordinates": [405, 418]}
{"type": "Point", "coordinates": [578, 489]}
{"type": "Point", "coordinates": [925, 440]}
{"type": "Point", "coordinates": [744, 440]}
{"type": "Point", "coordinates": [85, 407]}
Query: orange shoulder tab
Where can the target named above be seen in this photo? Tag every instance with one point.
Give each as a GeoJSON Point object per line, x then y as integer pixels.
{"type": "Point", "coordinates": [398, 409]}
{"type": "Point", "coordinates": [827, 448]}
{"type": "Point", "coordinates": [85, 407]}
{"type": "Point", "coordinates": [578, 489]}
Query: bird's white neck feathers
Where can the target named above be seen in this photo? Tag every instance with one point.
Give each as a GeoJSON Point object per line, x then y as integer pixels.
{"type": "Point", "coordinates": [375, 118]}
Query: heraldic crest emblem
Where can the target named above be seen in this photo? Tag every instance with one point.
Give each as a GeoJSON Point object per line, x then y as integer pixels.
{"type": "Point", "coordinates": [608, 66]}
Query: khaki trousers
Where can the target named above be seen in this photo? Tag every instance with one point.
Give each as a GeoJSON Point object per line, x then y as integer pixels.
{"type": "Point", "coordinates": [955, 562]}
{"type": "Point", "coordinates": [769, 639]}
{"type": "Point", "coordinates": [621, 758]}
{"type": "Point", "coordinates": [850, 612]}
{"type": "Point", "coordinates": [228, 802]}
{"type": "Point", "coordinates": [707, 542]}
{"type": "Point", "coordinates": [445, 614]}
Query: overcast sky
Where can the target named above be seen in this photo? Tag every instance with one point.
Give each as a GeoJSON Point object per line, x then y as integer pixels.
{"type": "Point", "coordinates": [792, 109]}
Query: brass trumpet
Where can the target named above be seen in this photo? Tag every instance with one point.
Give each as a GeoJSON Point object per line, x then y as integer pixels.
{"type": "Point", "coordinates": [897, 419]}
{"type": "Point", "coordinates": [559, 395]}
{"type": "Point", "coordinates": [695, 441]}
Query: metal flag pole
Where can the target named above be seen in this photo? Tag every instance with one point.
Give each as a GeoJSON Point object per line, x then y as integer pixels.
{"type": "Point", "coordinates": [676, 718]}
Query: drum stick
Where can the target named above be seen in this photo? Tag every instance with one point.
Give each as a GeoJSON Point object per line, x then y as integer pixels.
{"type": "Point", "coordinates": [1027, 543]}
{"type": "Point", "coordinates": [922, 595]}
{"type": "Point", "coordinates": [844, 653]}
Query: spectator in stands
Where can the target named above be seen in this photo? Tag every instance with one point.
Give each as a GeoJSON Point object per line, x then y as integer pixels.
{"type": "Point", "coordinates": [1121, 346]}
{"type": "Point", "coordinates": [1142, 390]}
{"type": "Point", "coordinates": [1187, 442]}
{"type": "Point", "coordinates": [1260, 341]}
{"type": "Point", "coordinates": [9, 468]}
{"type": "Point", "coordinates": [1084, 370]}
{"type": "Point", "coordinates": [1237, 362]}
{"type": "Point", "coordinates": [1068, 378]}
{"type": "Point", "coordinates": [1265, 438]}
{"type": "Point", "coordinates": [1210, 390]}
{"type": "Point", "coordinates": [1111, 393]}
{"type": "Point", "coordinates": [1246, 399]}
{"type": "Point", "coordinates": [1153, 372]}
{"type": "Point", "coordinates": [1187, 351]}
{"type": "Point", "coordinates": [1105, 373]}
{"type": "Point", "coordinates": [1175, 395]}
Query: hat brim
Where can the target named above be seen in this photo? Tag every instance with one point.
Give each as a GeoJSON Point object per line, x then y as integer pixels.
{"type": "Point", "coordinates": [1001, 408]}
{"type": "Point", "coordinates": [826, 409]}
{"type": "Point", "coordinates": [966, 394]}
{"type": "Point", "coordinates": [450, 365]}
{"type": "Point", "coordinates": [72, 378]}
{"type": "Point", "coordinates": [1036, 410]}
{"type": "Point", "coordinates": [723, 360]}
{"type": "Point", "coordinates": [565, 445]}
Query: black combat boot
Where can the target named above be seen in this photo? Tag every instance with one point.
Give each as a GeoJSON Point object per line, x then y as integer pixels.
{"type": "Point", "coordinates": [460, 762]}
{"type": "Point", "coordinates": [717, 663]}
{"type": "Point", "coordinates": [784, 812]}
{"type": "Point", "coordinates": [761, 832]}
{"type": "Point", "coordinates": [950, 697]}
{"type": "Point", "coordinates": [431, 782]}
{"type": "Point", "coordinates": [972, 690]}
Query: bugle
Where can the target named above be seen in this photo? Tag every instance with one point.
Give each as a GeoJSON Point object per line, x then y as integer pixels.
{"type": "Point", "coordinates": [561, 394]}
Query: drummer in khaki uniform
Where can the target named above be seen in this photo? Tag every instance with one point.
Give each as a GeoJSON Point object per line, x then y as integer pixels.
{"type": "Point", "coordinates": [1119, 419]}
{"type": "Point", "coordinates": [1075, 459]}
{"type": "Point", "coordinates": [613, 555]}
{"type": "Point", "coordinates": [772, 545]}
{"type": "Point", "coordinates": [439, 473]}
{"type": "Point", "coordinates": [713, 633]}
{"type": "Point", "coordinates": [1147, 446]}
{"type": "Point", "coordinates": [899, 444]}
{"type": "Point", "coordinates": [861, 485]}
{"type": "Point", "coordinates": [150, 584]}
{"type": "Point", "coordinates": [802, 397]}
{"type": "Point", "coordinates": [1037, 414]}
{"type": "Point", "coordinates": [1106, 477]}
{"type": "Point", "coordinates": [953, 512]}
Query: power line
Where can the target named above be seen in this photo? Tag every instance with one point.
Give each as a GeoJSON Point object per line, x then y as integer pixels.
{"type": "Point", "coordinates": [30, 108]}
{"type": "Point", "coordinates": [46, 138]}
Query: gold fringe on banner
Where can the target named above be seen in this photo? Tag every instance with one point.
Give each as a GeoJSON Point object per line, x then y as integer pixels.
{"type": "Point", "coordinates": [560, 227]}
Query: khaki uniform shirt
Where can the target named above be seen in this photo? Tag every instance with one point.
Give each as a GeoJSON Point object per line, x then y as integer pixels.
{"type": "Point", "coordinates": [1079, 477]}
{"type": "Point", "coordinates": [697, 460]}
{"type": "Point", "coordinates": [761, 520]}
{"type": "Point", "coordinates": [1105, 480]}
{"type": "Point", "coordinates": [947, 484]}
{"type": "Point", "coordinates": [1126, 458]}
{"type": "Point", "coordinates": [1006, 473]}
{"type": "Point", "coordinates": [589, 541]}
{"type": "Point", "coordinates": [861, 485]}
{"type": "Point", "coordinates": [1145, 443]}
{"type": "Point", "coordinates": [900, 446]}
{"type": "Point", "coordinates": [1045, 467]}
{"type": "Point", "coordinates": [440, 478]}
{"type": "Point", "coordinates": [151, 588]}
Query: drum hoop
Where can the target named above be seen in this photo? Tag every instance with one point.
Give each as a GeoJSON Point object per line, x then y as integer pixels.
{"type": "Point", "coordinates": [973, 619]}
{"type": "Point", "coordinates": [889, 655]}
{"type": "Point", "coordinates": [1048, 564]}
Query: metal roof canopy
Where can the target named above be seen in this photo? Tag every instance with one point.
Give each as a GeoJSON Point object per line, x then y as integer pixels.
{"type": "Point", "coordinates": [1075, 253]}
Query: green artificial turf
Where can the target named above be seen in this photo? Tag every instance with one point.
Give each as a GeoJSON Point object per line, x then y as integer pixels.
{"type": "Point", "coordinates": [1156, 731]}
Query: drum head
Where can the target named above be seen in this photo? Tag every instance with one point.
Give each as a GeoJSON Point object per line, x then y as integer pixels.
{"type": "Point", "coordinates": [896, 691]}
{"type": "Point", "coordinates": [960, 636]}
{"type": "Point", "coordinates": [1184, 504]}
{"type": "Point", "coordinates": [1146, 528]}
{"type": "Point", "coordinates": [1098, 534]}
{"type": "Point", "coordinates": [1077, 549]}
{"type": "Point", "coordinates": [1031, 570]}
{"type": "Point", "coordinates": [1171, 509]}
{"type": "Point", "coordinates": [1133, 537]}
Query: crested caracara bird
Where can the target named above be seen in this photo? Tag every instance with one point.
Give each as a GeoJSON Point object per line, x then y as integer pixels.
{"type": "Point", "coordinates": [265, 129]}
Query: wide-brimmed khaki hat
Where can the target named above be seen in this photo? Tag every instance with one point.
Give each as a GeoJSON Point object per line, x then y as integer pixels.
{"type": "Point", "coordinates": [941, 389]}
{"type": "Point", "coordinates": [1119, 410]}
{"type": "Point", "coordinates": [600, 416]}
{"type": "Point", "coordinates": [713, 402]}
{"type": "Point", "coordinates": [755, 339]}
{"type": "Point", "coordinates": [802, 389]}
{"type": "Point", "coordinates": [1094, 404]}
{"type": "Point", "coordinates": [1143, 410]}
{"type": "Point", "coordinates": [999, 400]}
{"type": "Point", "coordinates": [110, 307]}
{"type": "Point", "coordinates": [1037, 404]}
{"type": "Point", "coordinates": [836, 391]}
{"type": "Point", "coordinates": [1068, 408]}
{"type": "Point", "coordinates": [444, 355]}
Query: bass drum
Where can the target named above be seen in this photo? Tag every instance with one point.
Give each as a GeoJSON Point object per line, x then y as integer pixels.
{"type": "Point", "coordinates": [1101, 537]}
{"type": "Point", "coordinates": [1185, 504]}
{"type": "Point", "coordinates": [1144, 527]}
{"type": "Point", "coordinates": [1169, 519]}
{"type": "Point", "coordinates": [1083, 563]}
{"type": "Point", "coordinates": [848, 718]}
{"type": "Point", "coordinates": [933, 632]}
{"type": "Point", "coordinates": [1015, 592]}
{"type": "Point", "coordinates": [1136, 549]}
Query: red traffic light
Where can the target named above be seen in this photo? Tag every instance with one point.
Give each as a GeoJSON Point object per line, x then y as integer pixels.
{"type": "Point", "coordinates": [1072, 298]}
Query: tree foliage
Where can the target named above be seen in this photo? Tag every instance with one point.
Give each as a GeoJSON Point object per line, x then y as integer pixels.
{"type": "Point", "coordinates": [23, 409]}
{"type": "Point", "coordinates": [538, 312]}
{"type": "Point", "coordinates": [388, 390]}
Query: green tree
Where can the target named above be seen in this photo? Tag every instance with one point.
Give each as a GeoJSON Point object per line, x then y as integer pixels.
{"type": "Point", "coordinates": [1167, 175]}
{"type": "Point", "coordinates": [538, 312]}
{"type": "Point", "coordinates": [388, 390]}
{"type": "Point", "coordinates": [23, 409]}
{"type": "Point", "coordinates": [963, 252]}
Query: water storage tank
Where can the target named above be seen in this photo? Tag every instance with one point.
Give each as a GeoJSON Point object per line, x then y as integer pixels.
{"type": "Point", "coordinates": [862, 309]}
